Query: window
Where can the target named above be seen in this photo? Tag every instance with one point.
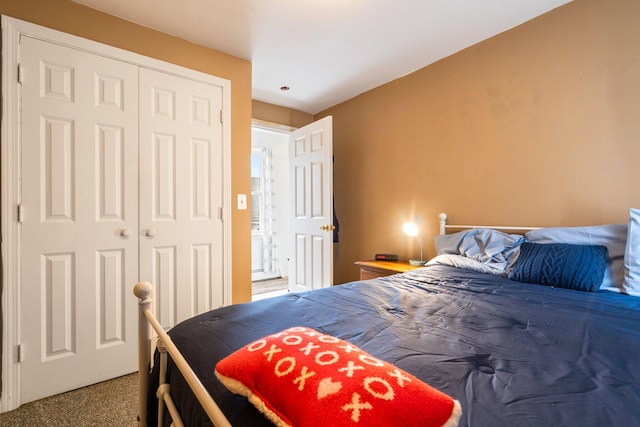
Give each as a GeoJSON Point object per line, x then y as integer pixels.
{"type": "Point", "coordinates": [257, 191]}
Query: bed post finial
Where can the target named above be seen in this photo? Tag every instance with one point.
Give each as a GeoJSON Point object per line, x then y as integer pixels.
{"type": "Point", "coordinates": [443, 223]}
{"type": "Point", "coordinates": [142, 290]}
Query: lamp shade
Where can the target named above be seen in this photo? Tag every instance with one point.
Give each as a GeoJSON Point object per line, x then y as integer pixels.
{"type": "Point", "coordinates": [410, 229]}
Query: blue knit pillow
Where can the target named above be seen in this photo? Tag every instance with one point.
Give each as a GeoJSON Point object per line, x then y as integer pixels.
{"type": "Point", "coordinates": [579, 267]}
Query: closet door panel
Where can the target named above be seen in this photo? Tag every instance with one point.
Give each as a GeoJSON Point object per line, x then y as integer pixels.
{"type": "Point", "coordinates": [163, 176]}
{"type": "Point", "coordinates": [79, 251]}
{"type": "Point", "coordinates": [181, 193]}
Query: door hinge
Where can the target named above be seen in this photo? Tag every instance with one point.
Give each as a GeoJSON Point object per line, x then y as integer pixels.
{"type": "Point", "coordinates": [221, 119]}
{"type": "Point", "coordinates": [20, 353]}
{"type": "Point", "coordinates": [20, 213]}
{"type": "Point", "coordinates": [20, 73]}
{"type": "Point", "coordinates": [220, 213]}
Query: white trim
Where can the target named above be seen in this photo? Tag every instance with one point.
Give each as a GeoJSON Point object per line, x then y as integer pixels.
{"type": "Point", "coordinates": [275, 127]}
{"type": "Point", "coordinates": [96, 48]}
{"type": "Point", "coordinates": [12, 30]}
{"type": "Point", "coordinates": [9, 152]}
{"type": "Point", "coordinates": [226, 190]}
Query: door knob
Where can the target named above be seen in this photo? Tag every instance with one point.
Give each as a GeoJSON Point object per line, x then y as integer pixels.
{"type": "Point", "coordinates": [328, 227]}
{"type": "Point", "coordinates": [150, 232]}
{"type": "Point", "coordinates": [125, 232]}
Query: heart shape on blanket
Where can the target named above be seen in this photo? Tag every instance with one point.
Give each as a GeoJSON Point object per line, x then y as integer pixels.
{"type": "Point", "coordinates": [327, 386]}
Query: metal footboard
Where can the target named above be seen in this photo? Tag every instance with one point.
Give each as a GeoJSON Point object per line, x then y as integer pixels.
{"type": "Point", "coordinates": [146, 324]}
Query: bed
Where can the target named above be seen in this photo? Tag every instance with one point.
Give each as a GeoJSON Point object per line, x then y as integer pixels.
{"type": "Point", "coordinates": [508, 351]}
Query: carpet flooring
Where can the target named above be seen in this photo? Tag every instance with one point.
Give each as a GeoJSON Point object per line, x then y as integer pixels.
{"type": "Point", "coordinates": [110, 403]}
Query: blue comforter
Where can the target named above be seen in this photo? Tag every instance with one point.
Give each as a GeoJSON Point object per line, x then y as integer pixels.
{"type": "Point", "coordinates": [513, 354]}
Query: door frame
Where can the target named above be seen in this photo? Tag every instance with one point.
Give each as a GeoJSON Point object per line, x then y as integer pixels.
{"type": "Point", "coordinates": [10, 154]}
{"type": "Point", "coordinates": [284, 130]}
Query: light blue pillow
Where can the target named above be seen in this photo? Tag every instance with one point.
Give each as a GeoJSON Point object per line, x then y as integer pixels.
{"type": "Point", "coordinates": [491, 247]}
{"type": "Point", "coordinates": [613, 236]}
{"type": "Point", "coordinates": [631, 283]}
{"type": "Point", "coordinates": [464, 263]}
{"type": "Point", "coordinates": [562, 265]}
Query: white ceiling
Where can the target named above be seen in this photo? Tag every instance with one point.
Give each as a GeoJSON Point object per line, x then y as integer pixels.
{"type": "Point", "coordinates": [328, 51]}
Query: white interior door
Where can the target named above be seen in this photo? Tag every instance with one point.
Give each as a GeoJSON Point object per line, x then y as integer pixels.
{"type": "Point", "coordinates": [79, 197]}
{"type": "Point", "coordinates": [181, 194]}
{"type": "Point", "coordinates": [311, 219]}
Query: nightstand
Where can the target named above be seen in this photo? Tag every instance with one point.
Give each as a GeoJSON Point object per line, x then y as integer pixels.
{"type": "Point", "coordinates": [372, 269]}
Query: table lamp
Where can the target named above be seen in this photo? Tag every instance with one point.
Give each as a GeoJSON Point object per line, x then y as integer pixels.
{"type": "Point", "coordinates": [411, 229]}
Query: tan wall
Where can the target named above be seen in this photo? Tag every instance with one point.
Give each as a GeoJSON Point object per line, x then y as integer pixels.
{"type": "Point", "coordinates": [280, 115]}
{"type": "Point", "coordinates": [72, 18]}
{"type": "Point", "coordinates": [537, 126]}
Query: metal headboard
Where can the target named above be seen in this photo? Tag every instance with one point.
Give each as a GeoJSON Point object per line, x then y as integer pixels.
{"type": "Point", "coordinates": [444, 226]}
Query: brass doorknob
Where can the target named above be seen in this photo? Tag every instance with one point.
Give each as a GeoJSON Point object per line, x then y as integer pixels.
{"type": "Point", "coordinates": [328, 227]}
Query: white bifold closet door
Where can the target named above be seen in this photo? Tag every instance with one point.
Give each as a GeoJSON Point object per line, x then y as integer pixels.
{"type": "Point", "coordinates": [80, 201]}
{"type": "Point", "coordinates": [180, 202]}
{"type": "Point", "coordinates": [121, 181]}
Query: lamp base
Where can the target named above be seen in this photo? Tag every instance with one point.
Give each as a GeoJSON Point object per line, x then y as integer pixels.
{"type": "Point", "coordinates": [417, 262]}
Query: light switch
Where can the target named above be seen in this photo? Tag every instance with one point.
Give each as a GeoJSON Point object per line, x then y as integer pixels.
{"type": "Point", "coordinates": [242, 202]}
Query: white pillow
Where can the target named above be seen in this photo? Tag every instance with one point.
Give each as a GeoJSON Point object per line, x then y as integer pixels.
{"type": "Point", "coordinates": [613, 236]}
{"type": "Point", "coordinates": [631, 283]}
{"type": "Point", "coordinates": [461, 261]}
